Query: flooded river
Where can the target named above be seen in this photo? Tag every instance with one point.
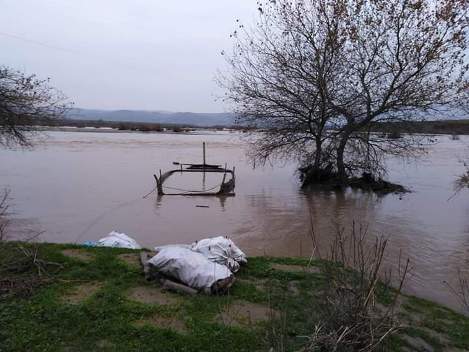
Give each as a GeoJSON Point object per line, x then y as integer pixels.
{"type": "Point", "coordinates": [80, 186]}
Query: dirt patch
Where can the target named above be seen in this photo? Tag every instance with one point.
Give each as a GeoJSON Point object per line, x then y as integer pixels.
{"type": "Point", "coordinates": [78, 254]}
{"type": "Point", "coordinates": [151, 295]}
{"type": "Point", "coordinates": [258, 284]}
{"type": "Point", "coordinates": [161, 322]}
{"type": "Point", "coordinates": [244, 313]}
{"type": "Point", "coordinates": [82, 292]}
{"type": "Point", "coordinates": [296, 268]}
{"type": "Point", "coordinates": [105, 344]}
{"type": "Point", "coordinates": [132, 259]}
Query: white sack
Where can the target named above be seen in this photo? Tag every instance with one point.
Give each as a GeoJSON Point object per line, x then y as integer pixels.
{"type": "Point", "coordinates": [118, 240]}
{"type": "Point", "coordinates": [189, 267]}
{"type": "Point", "coordinates": [159, 248]}
{"type": "Point", "coordinates": [221, 250]}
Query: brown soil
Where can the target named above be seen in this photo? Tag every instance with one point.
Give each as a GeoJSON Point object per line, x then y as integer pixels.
{"type": "Point", "coordinates": [245, 313]}
{"type": "Point", "coordinates": [151, 295]}
{"type": "Point", "coordinates": [105, 344]}
{"type": "Point", "coordinates": [78, 254]}
{"type": "Point", "coordinates": [82, 292]}
{"type": "Point", "coordinates": [132, 259]}
{"type": "Point", "coordinates": [296, 268]}
{"type": "Point", "coordinates": [163, 323]}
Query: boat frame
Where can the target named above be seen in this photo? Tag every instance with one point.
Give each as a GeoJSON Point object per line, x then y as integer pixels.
{"type": "Point", "coordinates": [226, 187]}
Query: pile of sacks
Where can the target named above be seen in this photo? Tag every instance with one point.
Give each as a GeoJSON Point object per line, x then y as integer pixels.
{"type": "Point", "coordinates": [207, 265]}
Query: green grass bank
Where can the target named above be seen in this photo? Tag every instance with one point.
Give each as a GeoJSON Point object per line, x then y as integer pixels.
{"type": "Point", "coordinates": [98, 300]}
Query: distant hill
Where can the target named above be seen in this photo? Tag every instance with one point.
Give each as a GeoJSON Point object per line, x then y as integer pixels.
{"type": "Point", "coordinates": [164, 117]}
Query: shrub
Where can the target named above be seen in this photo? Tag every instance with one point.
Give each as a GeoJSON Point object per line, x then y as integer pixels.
{"type": "Point", "coordinates": [21, 265]}
{"type": "Point", "coordinates": [352, 319]}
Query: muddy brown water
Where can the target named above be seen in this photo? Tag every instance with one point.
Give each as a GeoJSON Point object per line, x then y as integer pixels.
{"type": "Point", "coordinates": [79, 186]}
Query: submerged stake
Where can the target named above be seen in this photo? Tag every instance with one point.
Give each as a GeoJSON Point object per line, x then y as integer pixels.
{"type": "Point", "coordinates": [203, 145]}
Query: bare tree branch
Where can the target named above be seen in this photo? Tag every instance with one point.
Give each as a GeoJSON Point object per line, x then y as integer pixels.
{"type": "Point", "coordinates": [316, 75]}
{"type": "Point", "coordinates": [25, 101]}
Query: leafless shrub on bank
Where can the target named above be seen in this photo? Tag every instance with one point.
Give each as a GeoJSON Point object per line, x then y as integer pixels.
{"type": "Point", "coordinates": [21, 266]}
{"type": "Point", "coordinates": [351, 319]}
{"type": "Point", "coordinates": [461, 290]}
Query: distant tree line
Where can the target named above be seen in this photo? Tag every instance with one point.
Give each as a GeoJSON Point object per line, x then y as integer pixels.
{"type": "Point", "coordinates": [453, 127]}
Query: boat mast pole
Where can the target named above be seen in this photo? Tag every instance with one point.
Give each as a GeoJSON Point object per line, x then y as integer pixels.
{"type": "Point", "coordinates": [203, 176]}
{"type": "Point", "coordinates": [203, 146]}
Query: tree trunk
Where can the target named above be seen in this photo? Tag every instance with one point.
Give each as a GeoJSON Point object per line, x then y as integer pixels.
{"type": "Point", "coordinates": [340, 156]}
{"type": "Point", "coordinates": [340, 162]}
{"type": "Point", "coordinates": [317, 157]}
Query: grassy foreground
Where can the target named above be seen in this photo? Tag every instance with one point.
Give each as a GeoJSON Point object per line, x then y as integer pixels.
{"type": "Point", "coordinates": [99, 301]}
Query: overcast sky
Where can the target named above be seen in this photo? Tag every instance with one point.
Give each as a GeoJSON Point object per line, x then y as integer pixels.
{"type": "Point", "coordinates": [124, 54]}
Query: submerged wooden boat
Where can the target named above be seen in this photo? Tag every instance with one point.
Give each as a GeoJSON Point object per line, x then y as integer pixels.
{"type": "Point", "coordinates": [225, 188]}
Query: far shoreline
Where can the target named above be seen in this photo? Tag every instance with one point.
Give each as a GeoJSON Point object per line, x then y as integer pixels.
{"type": "Point", "coordinates": [453, 128]}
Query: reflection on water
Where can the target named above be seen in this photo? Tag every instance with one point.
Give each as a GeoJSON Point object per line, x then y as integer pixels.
{"type": "Point", "coordinates": [80, 186]}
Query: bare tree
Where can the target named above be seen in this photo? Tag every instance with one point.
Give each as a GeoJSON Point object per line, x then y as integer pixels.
{"type": "Point", "coordinates": [402, 59]}
{"type": "Point", "coordinates": [279, 73]}
{"type": "Point", "coordinates": [318, 74]}
{"type": "Point", "coordinates": [24, 101]}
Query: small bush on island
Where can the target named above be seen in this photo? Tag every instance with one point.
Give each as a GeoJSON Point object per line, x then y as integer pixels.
{"type": "Point", "coordinates": [462, 181]}
{"type": "Point", "coordinates": [394, 135]}
{"type": "Point", "coordinates": [312, 178]}
{"type": "Point", "coordinates": [151, 128]}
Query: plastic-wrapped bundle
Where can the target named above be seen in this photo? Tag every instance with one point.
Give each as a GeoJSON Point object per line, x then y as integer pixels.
{"type": "Point", "coordinates": [118, 240]}
{"type": "Point", "coordinates": [192, 269]}
{"type": "Point", "coordinates": [221, 250]}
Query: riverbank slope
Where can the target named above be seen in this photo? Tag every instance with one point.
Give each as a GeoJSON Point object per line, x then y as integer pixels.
{"type": "Point", "coordinates": [98, 300]}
